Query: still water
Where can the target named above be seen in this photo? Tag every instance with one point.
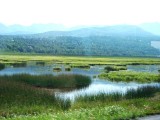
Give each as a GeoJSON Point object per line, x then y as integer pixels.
{"type": "Point", "coordinates": [97, 85]}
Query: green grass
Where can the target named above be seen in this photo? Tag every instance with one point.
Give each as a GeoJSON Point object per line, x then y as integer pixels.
{"type": "Point", "coordinates": [80, 66]}
{"type": "Point", "coordinates": [50, 81]}
{"type": "Point", "coordinates": [141, 92]}
{"type": "Point", "coordinates": [128, 76]}
{"type": "Point", "coordinates": [21, 99]}
{"type": "Point", "coordinates": [79, 60]}
{"type": "Point", "coordinates": [115, 68]}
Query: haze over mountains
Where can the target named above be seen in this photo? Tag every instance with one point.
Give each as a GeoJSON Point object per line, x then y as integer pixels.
{"type": "Point", "coordinates": [153, 28]}
{"type": "Point", "coordinates": [117, 40]}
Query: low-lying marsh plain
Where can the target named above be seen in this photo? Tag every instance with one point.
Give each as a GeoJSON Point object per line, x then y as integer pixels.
{"type": "Point", "coordinates": [28, 96]}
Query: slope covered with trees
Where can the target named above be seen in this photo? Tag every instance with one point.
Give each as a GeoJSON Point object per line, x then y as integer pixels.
{"type": "Point", "coordinates": [112, 41]}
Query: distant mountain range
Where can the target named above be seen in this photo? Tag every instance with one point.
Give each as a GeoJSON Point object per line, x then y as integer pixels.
{"type": "Point", "coordinates": [153, 28]}
{"type": "Point", "coordinates": [117, 30]}
{"type": "Point", "coordinates": [35, 28]}
{"type": "Point", "coordinates": [118, 40]}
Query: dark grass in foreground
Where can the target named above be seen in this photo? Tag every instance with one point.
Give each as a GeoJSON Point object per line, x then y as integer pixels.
{"type": "Point", "coordinates": [21, 99]}
{"type": "Point", "coordinates": [50, 81]}
{"type": "Point", "coordinates": [127, 76]}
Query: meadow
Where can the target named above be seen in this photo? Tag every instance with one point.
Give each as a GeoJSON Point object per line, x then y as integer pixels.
{"type": "Point", "coordinates": [80, 60]}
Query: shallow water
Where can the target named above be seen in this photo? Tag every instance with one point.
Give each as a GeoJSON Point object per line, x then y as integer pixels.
{"type": "Point", "coordinates": [144, 68]}
{"type": "Point", "coordinates": [97, 85]}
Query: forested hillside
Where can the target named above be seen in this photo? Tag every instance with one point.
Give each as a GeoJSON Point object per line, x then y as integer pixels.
{"type": "Point", "coordinates": [113, 41]}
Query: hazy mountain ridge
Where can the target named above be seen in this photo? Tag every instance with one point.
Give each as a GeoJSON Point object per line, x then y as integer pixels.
{"type": "Point", "coordinates": [118, 30]}
{"type": "Point", "coordinates": [153, 28]}
{"type": "Point", "coordinates": [32, 29]}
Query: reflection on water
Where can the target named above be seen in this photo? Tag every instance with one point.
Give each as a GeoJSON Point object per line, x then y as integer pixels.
{"type": "Point", "coordinates": [35, 69]}
{"type": "Point", "coordinates": [97, 85]}
{"type": "Point", "coordinates": [102, 86]}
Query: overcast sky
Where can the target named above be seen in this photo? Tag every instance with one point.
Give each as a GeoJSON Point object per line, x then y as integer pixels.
{"type": "Point", "coordinates": [79, 12]}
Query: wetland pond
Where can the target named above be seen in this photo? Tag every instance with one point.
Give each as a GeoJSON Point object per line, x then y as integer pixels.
{"type": "Point", "coordinates": [97, 86]}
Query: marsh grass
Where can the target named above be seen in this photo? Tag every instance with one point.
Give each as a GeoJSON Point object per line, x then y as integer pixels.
{"type": "Point", "coordinates": [83, 66]}
{"type": "Point", "coordinates": [21, 99]}
{"type": "Point", "coordinates": [64, 104]}
{"type": "Point", "coordinates": [67, 69]}
{"type": "Point", "coordinates": [50, 81]}
{"type": "Point", "coordinates": [115, 68]}
{"type": "Point", "coordinates": [140, 92]}
{"type": "Point", "coordinates": [2, 66]}
{"type": "Point", "coordinates": [128, 76]}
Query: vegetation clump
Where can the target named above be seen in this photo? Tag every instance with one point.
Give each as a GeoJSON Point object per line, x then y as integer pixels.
{"type": "Point", "coordinates": [2, 66]}
{"type": "Point", "coordinates": [114, 68]}
{"type": "Point", "coordinates": [80, 66]}
{"type": "Point", "coordinates": [57, 69]}
{"type": "Point", "coordinates": [22, 99]}
{"type": "Point", "coordinates": [67, 69]}
{"type": "Point", "coordinates": [128, 76]}
{"type": "Point", "coordinates": [50, 81]}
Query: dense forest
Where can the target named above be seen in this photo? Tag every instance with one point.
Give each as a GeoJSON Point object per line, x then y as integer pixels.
{"type": "Point", "coordinates": [115, 41]}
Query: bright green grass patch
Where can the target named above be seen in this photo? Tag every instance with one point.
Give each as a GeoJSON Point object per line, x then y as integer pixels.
{"type": "Point", "coordinates": [50, 81]}
{"type": "Point", "coordinates": [127, 76]}
{"type": "Point", "coordinates": [80, 66]}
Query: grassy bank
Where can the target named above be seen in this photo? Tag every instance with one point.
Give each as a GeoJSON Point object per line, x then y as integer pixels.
{"type": "Point", "coordinates": [50, 81]}
{"type": "Point", "coordinates": [127, 76]}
